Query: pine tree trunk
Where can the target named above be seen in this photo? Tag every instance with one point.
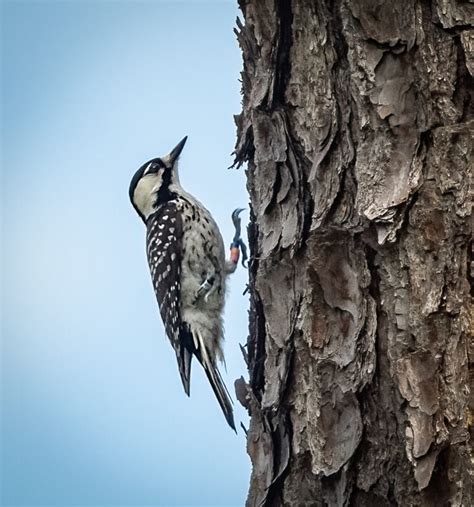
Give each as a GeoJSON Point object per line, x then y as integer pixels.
{"type": "Point", "coordinates": [357, 128]}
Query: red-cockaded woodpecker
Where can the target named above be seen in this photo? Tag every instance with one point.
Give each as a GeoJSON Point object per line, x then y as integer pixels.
{"type": "Point", "coordinates": [188, 268]}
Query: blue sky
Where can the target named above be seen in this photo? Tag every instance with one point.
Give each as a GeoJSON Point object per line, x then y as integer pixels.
{"type": "Point", "coordinates": [93, 412]}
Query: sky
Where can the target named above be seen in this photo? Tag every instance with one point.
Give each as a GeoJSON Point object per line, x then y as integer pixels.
{"type": "Point", "coordinates": [92, 408]}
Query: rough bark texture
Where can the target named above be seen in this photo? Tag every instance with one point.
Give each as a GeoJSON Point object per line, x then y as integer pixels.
{"type": "Point", "coordinates": [357, 128]}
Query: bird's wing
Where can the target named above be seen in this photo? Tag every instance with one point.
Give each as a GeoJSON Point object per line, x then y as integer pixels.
{"type": "Point", "coordinates": [164, 252]}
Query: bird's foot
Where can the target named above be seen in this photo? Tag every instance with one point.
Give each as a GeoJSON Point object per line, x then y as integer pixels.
{"type": "Point", "coordinates": [237, 244]}
{"type": "Point", "coordinates": [205, 289]}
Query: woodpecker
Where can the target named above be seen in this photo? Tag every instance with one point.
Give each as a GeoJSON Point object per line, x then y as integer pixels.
{"type": "Point", "coordinates": [188, 268]}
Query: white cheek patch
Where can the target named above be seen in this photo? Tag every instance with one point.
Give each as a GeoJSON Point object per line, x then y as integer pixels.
{"type": "Point", "coordinates": [144, 194]}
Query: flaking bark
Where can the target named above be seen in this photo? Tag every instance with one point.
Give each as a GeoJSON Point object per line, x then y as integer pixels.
{"type": "Point", "coordinates": [357, 129]}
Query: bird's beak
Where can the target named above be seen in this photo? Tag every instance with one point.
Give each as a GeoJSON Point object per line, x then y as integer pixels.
{"type": "Point", "coordinates": [176, 151]}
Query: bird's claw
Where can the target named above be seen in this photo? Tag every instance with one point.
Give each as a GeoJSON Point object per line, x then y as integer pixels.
{"type": "Point", "coordinates": [236, 217]}
{"type": "Point", "coordinates": [205, 289]}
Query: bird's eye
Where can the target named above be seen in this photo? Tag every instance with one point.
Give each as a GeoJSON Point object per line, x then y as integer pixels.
{"type": "Point", "coordinates": [151, 168]}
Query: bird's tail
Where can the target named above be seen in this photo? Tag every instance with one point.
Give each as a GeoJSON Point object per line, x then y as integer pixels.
{"type": "Point", "coordinates": [184, 356]}
{"type": "Point", "coordinates": [221, 392]}
{"type": "Point", "coordinates": [191, 343]}
{"type": "Point", "coordinates": [217, 384]}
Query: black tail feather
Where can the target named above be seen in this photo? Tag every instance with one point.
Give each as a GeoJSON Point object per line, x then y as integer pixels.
{"type": "Point", "coordinates": [184, 357]}
{"type": "Point", "coordinates": [220, 390]}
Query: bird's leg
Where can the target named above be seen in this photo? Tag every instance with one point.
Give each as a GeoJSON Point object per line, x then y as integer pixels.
{"type": "Point", "coordinates": [237, 245]}
{"type": "Point", "coordinates": [206, 288]}
{"type": "Point", "coordinates": [211, 290]}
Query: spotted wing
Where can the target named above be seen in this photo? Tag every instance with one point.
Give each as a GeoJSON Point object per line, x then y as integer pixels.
{"type": "Point", "coordinates": [164, 248]}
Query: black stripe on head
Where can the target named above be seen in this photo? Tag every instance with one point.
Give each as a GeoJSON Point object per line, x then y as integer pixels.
{"type": "Point", "coordinates": [164, 193]}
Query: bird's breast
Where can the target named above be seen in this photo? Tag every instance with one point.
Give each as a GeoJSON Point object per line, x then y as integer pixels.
{"type": "Point", "coordinates": [202, 244]}
{"type": "Point", "coordinates": [202, 257]}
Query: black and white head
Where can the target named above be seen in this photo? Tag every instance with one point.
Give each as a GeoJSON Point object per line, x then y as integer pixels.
{"type": "Point", "coordinates": [156, 182]}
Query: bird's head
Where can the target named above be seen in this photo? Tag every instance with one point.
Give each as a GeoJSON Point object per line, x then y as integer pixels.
{"type": "Point", "coordinates": [155, 182]}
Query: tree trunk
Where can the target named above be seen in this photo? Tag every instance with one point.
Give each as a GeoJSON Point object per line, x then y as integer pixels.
{"type": "Point", "coordinates": [357, 128]}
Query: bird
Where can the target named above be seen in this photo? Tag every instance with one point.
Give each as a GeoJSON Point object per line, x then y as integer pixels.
{"type": "Point", "coordinates": [186, 257]}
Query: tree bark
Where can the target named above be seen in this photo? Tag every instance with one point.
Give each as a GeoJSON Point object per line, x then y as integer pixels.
{"type": "Point", "coordinates": [357, 128]}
